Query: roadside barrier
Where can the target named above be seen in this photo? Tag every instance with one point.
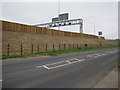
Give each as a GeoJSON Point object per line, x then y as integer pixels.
{"type": "Point", "coordinates": [11, 26]}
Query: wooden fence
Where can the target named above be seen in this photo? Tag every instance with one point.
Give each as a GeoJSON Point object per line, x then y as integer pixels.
{"type": "Point", "coordinates": [25, 48]}
{"type": "Point", "coordinates": [10, 26]}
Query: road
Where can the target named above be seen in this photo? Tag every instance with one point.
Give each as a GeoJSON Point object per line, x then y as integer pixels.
{"type": "Point", "coordinates": [75, 70]}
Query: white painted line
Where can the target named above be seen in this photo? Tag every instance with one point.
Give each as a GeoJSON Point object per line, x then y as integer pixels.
{"type": "Point", "coordinates": [46, 67]}
{"type": "Point", "coordinates": [55, 63]}
{"type": "Point", "coordinates": [68, 62]}
{"type": "Point", "coordinates": [1, 80]}
{"type": "Point", "coordinates": [74, 62]}
{"type": "Point", "coordinates": [58, 66]}
{"type": "Point", "coordinates": [94, 55]}
{"type": "Point", "coordinates": [89, 55]}
{"type": "Point", "coordinates": [82, 60]}
{"type": "Point", "coordinates": [79, 59]}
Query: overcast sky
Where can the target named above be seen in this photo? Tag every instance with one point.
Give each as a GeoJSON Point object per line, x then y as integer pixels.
{"type": "Point", "coordinates": [105, 15]}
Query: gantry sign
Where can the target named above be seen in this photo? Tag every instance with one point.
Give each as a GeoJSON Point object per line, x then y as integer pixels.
{"type": "Point", "coordinates": [62, 20]}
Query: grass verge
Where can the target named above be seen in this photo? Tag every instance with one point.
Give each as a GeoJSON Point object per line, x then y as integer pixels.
{"type": "Point", "coordinates": [57, 52]}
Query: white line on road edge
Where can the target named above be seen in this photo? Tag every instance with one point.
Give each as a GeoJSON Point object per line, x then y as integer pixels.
{"type": "Point", "coordinates": [0, 80]}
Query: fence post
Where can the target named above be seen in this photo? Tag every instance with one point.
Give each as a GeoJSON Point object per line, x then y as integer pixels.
{"type": "Point", "coordinates": [38, 47]}
{"type": "Point", "coordinates": [77, 45]}
{"type": "Point", "coordinates": [21, 50]}
{"type": "Point", "coordinates": [69, 46]}
{"type": "Point", "coordinates": [86, 45]}
{"type": "Point", "coordinates": [59, 46]}
{"type": "Point", "coordinates": [32, 49]}
{"type": "Point", "coordinates": [64, 46]}
{"type": "Point", "coordinates": [53, 47]}
{"type": "Point", "coordinates": [46, 47]}
{"type": "Point", "coordinates": [73, 46]}
{"type": "Point", "coordinates": [8, 49]}
{"type": "Point", "coordinates": [100, 44]}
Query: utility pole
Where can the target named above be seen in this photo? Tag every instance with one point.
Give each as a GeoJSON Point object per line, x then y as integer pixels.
{"type": "Point", "coordinates": [58, 13]}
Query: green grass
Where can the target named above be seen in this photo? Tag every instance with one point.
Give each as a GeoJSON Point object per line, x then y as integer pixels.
{"type": "Point", "coordinates": [11, 56]}
{"type": "Point", "coordinates": [56, 52]}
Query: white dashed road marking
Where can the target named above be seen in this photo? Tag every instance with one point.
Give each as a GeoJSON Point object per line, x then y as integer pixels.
{"type": "Point", "coordinates": [57, 66]}
{"type": "Point", "coordinates": [71, 61]}
{"type": "Point", "coordinates": [45, 67]}
{"type": "Point", "coordinates": [68, 62]}
{"type": "Point", "coordinates": [96, 55]}
{"type": "Point", "coordinates": [109, 52]}
{"type": "Point", "coordinates": [60, 64]}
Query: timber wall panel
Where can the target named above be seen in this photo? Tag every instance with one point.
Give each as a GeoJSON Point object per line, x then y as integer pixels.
{"type": "Point", "coordinates": [39, 30]}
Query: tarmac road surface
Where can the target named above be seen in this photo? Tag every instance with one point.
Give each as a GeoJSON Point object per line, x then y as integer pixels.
{"type": "Point", "coordinates": [75, 70]}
